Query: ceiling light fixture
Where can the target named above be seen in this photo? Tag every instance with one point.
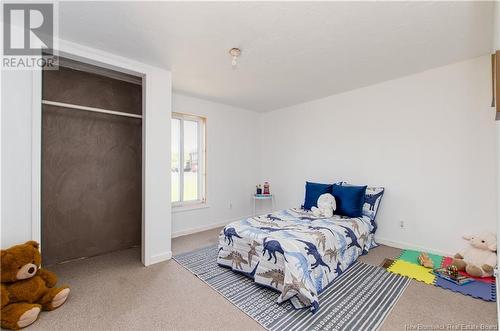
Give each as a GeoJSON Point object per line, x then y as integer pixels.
{"type": "Point", "coordinates": [235, 53]}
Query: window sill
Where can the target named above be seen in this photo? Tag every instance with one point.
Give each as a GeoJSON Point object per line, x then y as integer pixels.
{"type": "Point", "coordinates": [189, 207]}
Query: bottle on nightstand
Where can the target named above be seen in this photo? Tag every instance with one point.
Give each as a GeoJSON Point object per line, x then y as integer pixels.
{"type": "Point", "coordinates": [266, 188]}
{"type": "Point", "coordinates": [259, 189]}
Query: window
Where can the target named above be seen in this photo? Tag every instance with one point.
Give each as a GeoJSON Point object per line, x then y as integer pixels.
{"type": "Point", "coordinates": [188, 159]}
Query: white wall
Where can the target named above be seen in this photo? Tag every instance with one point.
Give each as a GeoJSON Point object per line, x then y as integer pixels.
{"type": "Point", "coordinates": [496, 26]}
{"type": "Point", "coordinates": [232, 164]}
{"type": "Point", "coordinates": [20, 168]}
{"type": "Point", "coordinates": [428, 138]}
{"type": "Point", "coordinates": [16, 156]}
{"type": "Point", "coordinates": [157, 213]}
{"type": "Point", "coordinates": [496, 46]}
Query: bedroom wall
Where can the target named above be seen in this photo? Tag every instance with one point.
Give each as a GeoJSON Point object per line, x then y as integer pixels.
{"type": "Point", "coordinates": [232, 164]}
{"type": "Point", "coordinates": [428, 138]}
{"type": "Point", "coordinates": [496, 26]}
{"type": "Point", "coordinates": [16, 156]}
{"type": "Point", "coordinates": [496, 46]}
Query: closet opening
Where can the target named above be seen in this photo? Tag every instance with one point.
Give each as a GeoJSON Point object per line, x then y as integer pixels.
{"type": "Point", "coordinates": [91, 153]}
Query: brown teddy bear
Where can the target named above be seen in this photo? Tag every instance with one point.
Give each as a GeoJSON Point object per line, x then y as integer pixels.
{"type": "Point", "coordinates": [26, 289]}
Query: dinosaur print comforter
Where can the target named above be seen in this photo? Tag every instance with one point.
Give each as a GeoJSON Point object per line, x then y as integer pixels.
{"type": "Point", "coordinates": [294, 252]}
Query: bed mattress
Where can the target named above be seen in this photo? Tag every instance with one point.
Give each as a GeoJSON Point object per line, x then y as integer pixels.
{"type": "Point", "coordinates": [294, 252]}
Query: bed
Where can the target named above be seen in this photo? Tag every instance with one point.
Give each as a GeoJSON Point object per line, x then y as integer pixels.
{"type": "Point", "coordinates": [294, 252]}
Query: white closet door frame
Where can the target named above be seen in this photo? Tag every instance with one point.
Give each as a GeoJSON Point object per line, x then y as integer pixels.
{"type": "Point", "coordinates": [36, 157]}
{"type": "Point", "coordinates": [156, 86]}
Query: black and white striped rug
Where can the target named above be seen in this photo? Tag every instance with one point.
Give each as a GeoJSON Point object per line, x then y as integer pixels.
{"type": "Point", "coordinates": [359, 299]}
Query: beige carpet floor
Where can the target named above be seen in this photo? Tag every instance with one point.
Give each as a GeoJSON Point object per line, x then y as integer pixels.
{"type": "Point", "coordinates": [115, 292]}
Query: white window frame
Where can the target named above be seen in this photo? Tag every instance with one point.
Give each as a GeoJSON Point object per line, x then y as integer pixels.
{"type": "Point", "coordinates": [202, 123]}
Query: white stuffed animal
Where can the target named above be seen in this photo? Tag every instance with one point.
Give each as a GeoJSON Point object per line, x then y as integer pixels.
{"type": "Point", "coordinates": [326, 206]}
{"type": "Point", "coordinates": [480, 258]}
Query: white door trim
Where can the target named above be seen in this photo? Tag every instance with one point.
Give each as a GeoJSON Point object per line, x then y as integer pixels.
{"type": "Point", "coordinates": [84, 54]}
{"type": "Point", "coordinates": [36, 157]}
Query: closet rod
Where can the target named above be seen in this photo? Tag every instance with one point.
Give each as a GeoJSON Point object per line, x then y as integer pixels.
{"type": "Point", "coordinates": [92, 109]}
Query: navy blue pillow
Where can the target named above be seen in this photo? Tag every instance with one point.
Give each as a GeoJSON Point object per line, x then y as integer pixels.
{"type": "Point", "coordinates": [313, 191]}
{"type": "Point", "coordinates": [349, 199]}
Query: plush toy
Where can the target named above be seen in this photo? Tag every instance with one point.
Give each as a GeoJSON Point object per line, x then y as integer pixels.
{"type": "Point", "coordinates": [27, 289]}
{"type": "Point", "coordinates": [326, 206]}
{"type": "Point", "coordinates": [480, 258]}
{"type": "Point", "coordinates": [425, 260]}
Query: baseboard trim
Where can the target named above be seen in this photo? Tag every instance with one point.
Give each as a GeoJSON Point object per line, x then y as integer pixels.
{"type": "Point", "coordinates": [160, 258]}
{"type": "Point", "coordinates": [206, 227]}
{"type": "Point", "coordinates": [403, 245]}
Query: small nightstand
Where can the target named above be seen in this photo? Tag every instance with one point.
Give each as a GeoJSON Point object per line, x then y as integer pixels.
{"type": "Point", "coordinates": [262, 197]}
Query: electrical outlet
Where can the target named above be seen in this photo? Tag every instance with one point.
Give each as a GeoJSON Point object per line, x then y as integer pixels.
{"type": "Point", "coordinates": [402, 224]}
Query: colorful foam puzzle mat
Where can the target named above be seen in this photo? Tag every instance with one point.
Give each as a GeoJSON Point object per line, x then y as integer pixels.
{"type": "Point", "coordinates": [407, 265]}
{"type": "Point", "coordinates": [413, 271]}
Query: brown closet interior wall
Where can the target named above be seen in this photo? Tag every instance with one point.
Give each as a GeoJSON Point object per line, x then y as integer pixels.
{"type": "Point", "coordinates": [91, 166]}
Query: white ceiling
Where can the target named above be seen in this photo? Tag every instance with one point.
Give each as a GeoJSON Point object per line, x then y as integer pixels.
{"type": "Point", "coordinates": [292, 52]}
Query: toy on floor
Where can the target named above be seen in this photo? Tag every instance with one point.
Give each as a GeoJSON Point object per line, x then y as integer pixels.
{"type": "Point", "coordinates": [452, 271]}
{"type": "Point", "coordinates": [451, 274]}
{"type": "Point", "coordinates": [479, 259]}
{"type": "Point", "coordinates": [425, 260]}
{"type": "Point", "coordinates": [326, 206]}
{"type": "Point", "coordinates": [26, 288]}
{"type": "Point", "coordinates": [386, 263]}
